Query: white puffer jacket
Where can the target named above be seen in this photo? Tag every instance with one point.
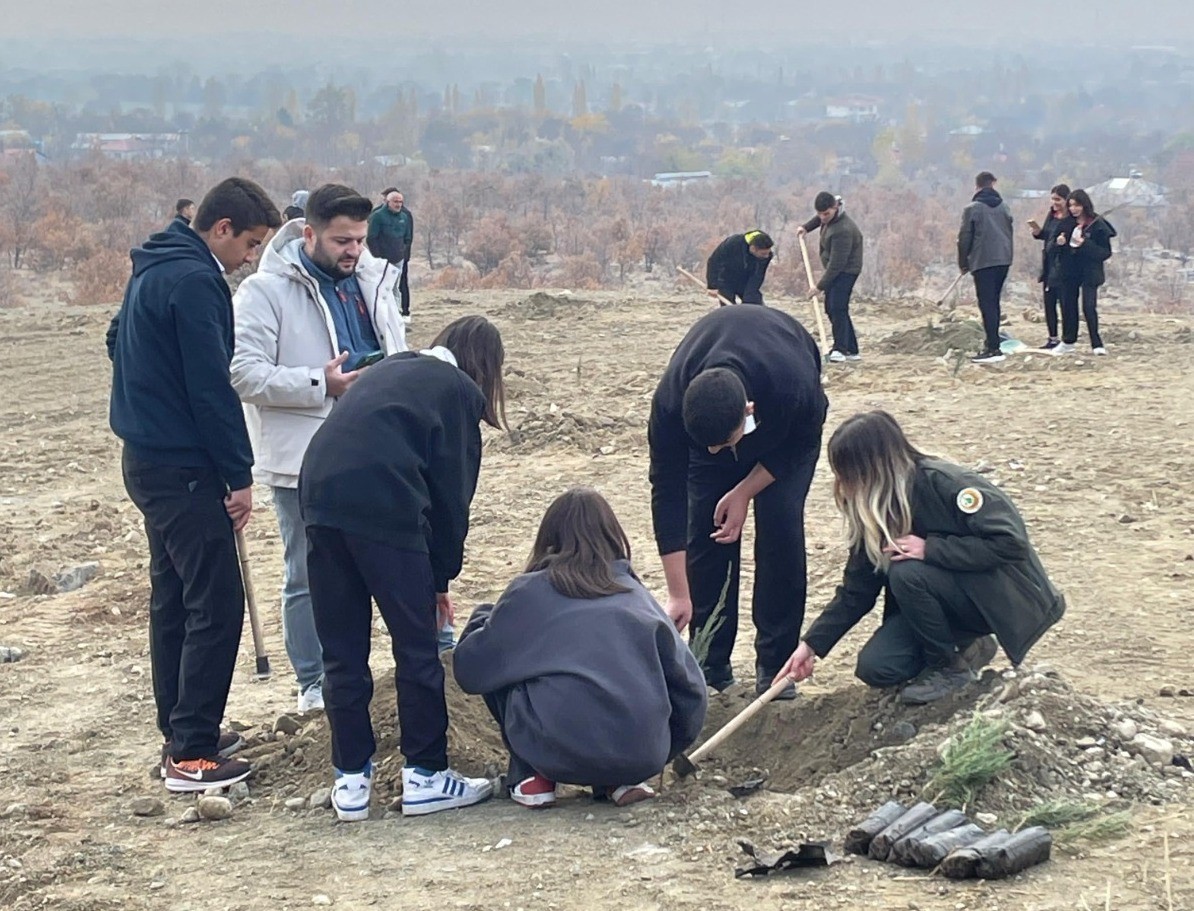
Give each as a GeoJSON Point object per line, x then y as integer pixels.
{"type": "Point", "coordinates": [284, 337]}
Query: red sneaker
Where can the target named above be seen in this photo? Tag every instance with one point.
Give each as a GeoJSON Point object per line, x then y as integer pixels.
{"type": "Point", "coordinates": [535, 792]}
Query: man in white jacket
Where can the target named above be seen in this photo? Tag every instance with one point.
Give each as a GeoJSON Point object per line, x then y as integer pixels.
{"type": "Point", "coordinates": [319, 309]}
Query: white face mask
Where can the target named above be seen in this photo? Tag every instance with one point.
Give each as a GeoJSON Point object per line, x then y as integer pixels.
{"type": "Point", "coordinates": [749, 425]}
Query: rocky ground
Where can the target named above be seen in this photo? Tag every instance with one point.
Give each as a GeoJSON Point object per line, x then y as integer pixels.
{"type": "Point", "coordinates": [1096, 450]}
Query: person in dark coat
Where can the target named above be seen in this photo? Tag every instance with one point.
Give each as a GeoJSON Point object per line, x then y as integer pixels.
{"type": "Point", "coordinates": [584, 672]}
{"type": "Point", "coordinates": [385, 490]}
{"type": "Point", "coordinates": [841, 258]}
{"type": "Point", "coordinates": [952, 555]}
{"type": "Point", "coordinates": [985, 251]}
{"type": "Point", "coordinates": [736, 269]}
{"type": "Point", "coordinates": [736, 419]}
{"type": "Point", "coordinates": [1058, 221]}
{"type": "Point", "coordinates": [1083, 252]}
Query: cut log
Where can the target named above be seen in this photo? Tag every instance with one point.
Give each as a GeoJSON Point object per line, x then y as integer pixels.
{"type": "Point", "coordinates": [960, 864]}
{"type": "Point", "coordinates": [858, 839]}
{"type": "Point", "coordinates": [942, 822]}
{"type": "Point", "coordinates": [881, 844]}
{"type": "Point", "coordinates": [930, 851]}
{"type": "Point", "coordinates": [1025, 849]}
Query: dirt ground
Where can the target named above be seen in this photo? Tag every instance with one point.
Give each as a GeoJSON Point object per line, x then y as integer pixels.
{"type": "Point", "coordinates": [1097, 451]}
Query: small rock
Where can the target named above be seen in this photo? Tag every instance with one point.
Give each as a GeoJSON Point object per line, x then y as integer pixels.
{"type": "Point", "coordinates": [10, 653]}
{"type": "Point", "coordinates": [1085, 743]}
{"type": "Point", "coordinates": [76, 577]}
{"type": "Point", "coordinates": [1126, 519]}
{"type": "Point", "coordinates": [321, 799]}
{"type": "Point", "coordinates": [1173, 729]}
{"type": "Point", "coordinates": [147, 806]}
{"type": "Point", "coordinates": [296, 803]}
{"type": "Point", "coordinates": [190, 814]}
{"type": "Point", "coordinates": [1154, 750]}
{"type": "Point", "coordinates": [986, 819]}
{"type": "Point", "coordinates": [1125, 730]}
{"type": "Point", "coordinates": [214, 807]}
{"type": "Point", "coordinates": [1169, 691]}
{"type": "Point", "coordinates": [1035, 721]}
{"type": "Point", "coordinates": [239, 791]}
{"type": "Point", "coordinates": [903, 730]}
{"type": "Point", "coordinates": [287, 725]}
{"type": "Point", "coordinates": [320, 900]}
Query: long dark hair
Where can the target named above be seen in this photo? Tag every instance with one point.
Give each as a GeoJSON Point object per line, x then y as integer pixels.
{"type": "Point", "coordinates": [873, 464]}
{"type": "Point", "coordinates": [1083, 199]}
{"type": "Point", "coordinates": [477, 346]}
{"type": "Point", "coordinates": [578, 541]}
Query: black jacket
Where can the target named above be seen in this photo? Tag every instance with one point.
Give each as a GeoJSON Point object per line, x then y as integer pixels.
{"type": "Point", "coordinates": [985, 238]}
{"type": "Point", "coordinates": [171, 345]}
{"type": "Point", "coordinates": [988, 549]}
{"type": "Point", "coordinates": [734, 271]}
{"type": "Point", "coordinates": [599, 691]}
{"type": "Point", "coordinates": [1085, 263]}
{"type": "Point", "coordinates": [1053, 256]}
{"type": "Point", "coordinates": [780, 366]}
{"type": "Point", "coordinates": [397, 460]}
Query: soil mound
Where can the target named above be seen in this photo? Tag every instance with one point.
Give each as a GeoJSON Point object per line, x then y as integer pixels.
{"type": "Point", "coordinates": [964, 335]}
{"type": "Point", "coordinates": [544, 306]}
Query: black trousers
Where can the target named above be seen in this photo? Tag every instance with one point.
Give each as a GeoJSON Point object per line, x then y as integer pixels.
{"type": "Point", "coordinates": [927, 617]}
{"type": "Point", "coordinates": [780, 584]}
{"type": "Point", "coordinates": [1052, 297]}
{"type": "Point", "coordinates": [197, 599]}
{"type": "Point", "coordinates": [1090, 313]}
{"type": "Point", "coordinates": [988, 285]}
{"type": "Point", "coordinates": [404, 289]}
{"type": "Point", "coordinates": [345, 572]}
{"type": "Point", "coordinates": [1069, 312]}
{"type": "Point", "coordinates": [837, 308]}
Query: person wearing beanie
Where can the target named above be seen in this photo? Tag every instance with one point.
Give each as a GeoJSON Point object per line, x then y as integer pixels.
{"type": "Point", "coordinates": [841, 257]}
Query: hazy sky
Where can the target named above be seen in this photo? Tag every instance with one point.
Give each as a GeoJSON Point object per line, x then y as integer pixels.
{"type": "Point", "coordinates": [1110, 22]}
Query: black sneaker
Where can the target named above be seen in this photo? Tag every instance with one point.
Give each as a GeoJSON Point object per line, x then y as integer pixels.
{"type": "Point", "coordinates": [229, 743]}
{"type": "Point", "coordinates": [936, 684]}
{"type": "Point", "coordinates": [720, 678]}
{"type": "Point", "coordinates": [979, 653]}
{"type": "Point", "coordinates": [188, 775]}
{"type": "Point", "coordinates": [1051, 344]}
{"type": "Point", "coordinates": [987, 357]}
{"type": "Point", "coordinates": [763, 680]}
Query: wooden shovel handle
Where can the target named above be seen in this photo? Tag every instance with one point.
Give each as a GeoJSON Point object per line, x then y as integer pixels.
{"type": "Point", "coordinates": [688, 274]}
{"type": "Point", "coordinates": [813, 301]}
{"type": "Point", "coordinates": [740, 719]}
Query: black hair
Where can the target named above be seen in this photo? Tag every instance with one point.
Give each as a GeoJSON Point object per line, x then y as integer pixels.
{"type": "Point", "coordinates": [292, 212]}
{"type": "Point", "coordinates": [714, 406]}
{"type": "Point", "coordinates": [333, 200]}
{"type": "Point", "coordinates": [1083, 199]}
{"type": "Point", "coordinates": [984, 179]}
{"type": "Point", "coordinates": [1062, 190]}
{"type": "Point", "coordinates": [240, 201]}
{"type": "Point", "coordinates": [476, 344]}
{"type": "Point", "coordinates": [388, 190]}
{"type": "Point", "coordinates": [760, 240]}
{"type": "Point", "coordinates": [182, 204]}
{"type": "Point", "coordinates": [824, 201]}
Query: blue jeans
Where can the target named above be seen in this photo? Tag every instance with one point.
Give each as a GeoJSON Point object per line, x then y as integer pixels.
{"type": "Point", "coordinates": [298, 623]}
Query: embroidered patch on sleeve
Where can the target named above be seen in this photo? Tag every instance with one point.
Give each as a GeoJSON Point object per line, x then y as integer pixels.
{"type": "Point", "coordinates": [970, 500]}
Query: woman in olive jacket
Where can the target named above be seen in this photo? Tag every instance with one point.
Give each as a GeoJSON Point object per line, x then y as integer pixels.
{"type": "Point", "coordinates": [952, 555]}
{"type": "Point", "coordinates": [1086, 248]}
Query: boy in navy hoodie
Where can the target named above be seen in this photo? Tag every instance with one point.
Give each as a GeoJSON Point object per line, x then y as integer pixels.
{"type": "Point", "coordinates": [186, 464]}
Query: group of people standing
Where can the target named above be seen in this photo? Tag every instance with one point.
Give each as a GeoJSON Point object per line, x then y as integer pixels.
{"type": "Point", "coordinates": [373, 452]}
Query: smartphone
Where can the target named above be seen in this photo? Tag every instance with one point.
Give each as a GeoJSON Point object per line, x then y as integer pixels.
{"type": "Point", "coordinates": [367, 359]}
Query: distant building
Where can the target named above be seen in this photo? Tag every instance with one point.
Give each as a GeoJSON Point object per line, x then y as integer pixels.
{"type": "Point", "coordinates": [131, 146]}
{"type": "Point", "coordinates": [855, 108]}
{"type": "Point", "coordinates": [1132, 192]}
{"type": "Point", "coordinates": [679, 178]}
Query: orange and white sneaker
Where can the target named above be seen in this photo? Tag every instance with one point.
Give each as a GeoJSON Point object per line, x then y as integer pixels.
{"type": "Point", "coordinates": [625, 795]}
{"type": "Point", "coordinates": [187, 775]}
{"type": "Point", "coordinates": [535, 792]}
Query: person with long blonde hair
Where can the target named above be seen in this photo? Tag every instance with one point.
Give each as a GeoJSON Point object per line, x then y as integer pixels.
{"type": "Point", "coordinates": [951, 554]}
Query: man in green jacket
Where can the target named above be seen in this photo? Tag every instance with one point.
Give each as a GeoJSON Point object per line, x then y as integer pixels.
{"type": "Point", "coordinates": [391, 237]}
{"type": "Point", "coordinates": [841, 257]}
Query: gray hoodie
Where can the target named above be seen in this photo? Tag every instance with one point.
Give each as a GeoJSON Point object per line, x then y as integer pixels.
{"type": "Point", "coordinates": [599, 691]}
{"type": "Point", "coordinates": [985, 239]}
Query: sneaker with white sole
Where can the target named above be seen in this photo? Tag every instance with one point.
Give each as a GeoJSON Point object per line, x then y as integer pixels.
{"type": "Point", "coordinates": [535, 792]}
{"type": "Point", "coordinates": [187, 775]}
{"type": "Point", "coordinates": [426, 792]}
{"type": "Point", "coordinates": [1062, 348]}
{"type": "Point", "coordinates": [626, 794]}
{"type": "Point", "coordinates": [988, 357]}
{"type": "Point", "coordinates": [350, 794]}
{"type": "Point", "coordinates": [854, 357]}
{"type": "Point", "coordinates": [1099, 350]}
{"type": "Point", "coordinates": [836, 357]}
{"type": "Point", "coordinates": [229, 743]}
{"type": "Point", "coordinates": [311, 699]}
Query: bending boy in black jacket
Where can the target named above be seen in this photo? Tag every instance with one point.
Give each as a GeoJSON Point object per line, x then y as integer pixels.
{"type": "Point", "coordinates": [736, 269]}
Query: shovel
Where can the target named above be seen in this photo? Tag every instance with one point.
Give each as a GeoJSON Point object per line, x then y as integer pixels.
{"type": "Point", "coordinates": [685, 765]}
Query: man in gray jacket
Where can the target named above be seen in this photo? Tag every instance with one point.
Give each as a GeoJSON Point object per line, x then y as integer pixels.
{"type": "Point", "coordinates": [841, 257]}
{"type": "Point", "coordinates": [317, 311]}
{"type": "Point", "coordinates": [985, 251]}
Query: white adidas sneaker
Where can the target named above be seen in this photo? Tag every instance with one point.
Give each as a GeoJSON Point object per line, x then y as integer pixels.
{"type": "Point", "coordinates": [446, 790]}
{"type": "Point", "coordinates": [350, 794]}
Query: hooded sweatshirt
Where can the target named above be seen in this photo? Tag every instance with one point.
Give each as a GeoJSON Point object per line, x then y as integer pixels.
{"type": "Point", "coordinates": [171, 343]}
{"type": "Point", "coordinates": [985, 238]}
{"type": "Point", "coordinates": [598, 691]}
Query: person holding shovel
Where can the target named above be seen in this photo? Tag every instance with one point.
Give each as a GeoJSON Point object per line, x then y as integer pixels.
{"type": "Point", "coordinates": [951, 554]}
{"type": "Point", "coordinates": [584, 672]}
{"type": "Point", "coordinates": [736, 419]}
{"type": "Point", "coordinates": [736, 269]}
{"type": "Point", "coordinates": [385, 490]}
{"type": "Point", "coordinates": [841, 257]}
